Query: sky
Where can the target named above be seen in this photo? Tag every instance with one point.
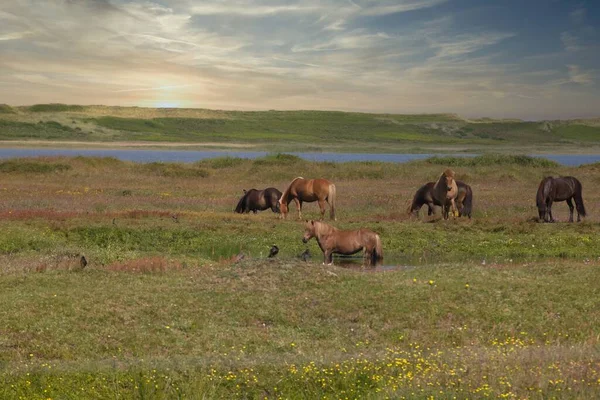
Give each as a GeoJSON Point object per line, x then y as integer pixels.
{"type": "Point", "coordinates": [528, 59]}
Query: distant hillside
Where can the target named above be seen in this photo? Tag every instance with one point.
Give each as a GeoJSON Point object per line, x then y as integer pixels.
{"type": "Point", "coordinates": [291, 130]}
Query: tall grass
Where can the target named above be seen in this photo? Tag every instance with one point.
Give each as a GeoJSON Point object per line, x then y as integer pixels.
{"type": "Point", "coordinates": [489, 160]}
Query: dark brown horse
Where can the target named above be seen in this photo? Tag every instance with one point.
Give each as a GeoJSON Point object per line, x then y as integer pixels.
{"type": "Point", "coordinates": [332, 240]}
{"type": "Point", "coordinates": [259, 200]}
{"type": "Point", "coordinates": [442, 193]}
{"type": "Point", "coordinates": [308, 190]}
{"type": "Point", "coordinates": [565, 188]}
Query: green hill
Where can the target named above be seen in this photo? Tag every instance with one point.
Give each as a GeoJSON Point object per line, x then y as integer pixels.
{"type": "Point", "coordinates": [293, 130]}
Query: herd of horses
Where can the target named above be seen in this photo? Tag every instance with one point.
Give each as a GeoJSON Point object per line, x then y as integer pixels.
{"type": "Point", "coordinates": [454, 197]}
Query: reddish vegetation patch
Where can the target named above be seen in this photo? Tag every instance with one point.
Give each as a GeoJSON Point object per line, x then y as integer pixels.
{"type": "Point", "coordinates": [145, 265]}
{"type": "Point", "coordinates": [135, 214]}
{"type": "Point", "coordinates": [44, 213]}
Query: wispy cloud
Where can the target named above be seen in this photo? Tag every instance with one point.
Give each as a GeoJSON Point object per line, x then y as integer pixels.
{"type": "Point", "coordinates": [576, 75]}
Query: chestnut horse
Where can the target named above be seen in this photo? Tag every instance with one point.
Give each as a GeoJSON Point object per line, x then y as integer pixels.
{"type": "Point", "coordinates": [308, 190]}
{"type": "Point", "coordinates": [332, 240]}
{"type": "Point", "coordinates": [566, 188]}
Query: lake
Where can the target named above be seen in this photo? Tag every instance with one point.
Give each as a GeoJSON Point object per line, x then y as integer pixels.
{"type": "Point", "coordinates": [188, 156]}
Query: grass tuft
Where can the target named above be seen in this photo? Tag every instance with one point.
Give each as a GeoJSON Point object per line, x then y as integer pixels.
{"type": "Point", "coordinates": [491, 160]}
{"type": "Point", "coordinates": [32, 167]}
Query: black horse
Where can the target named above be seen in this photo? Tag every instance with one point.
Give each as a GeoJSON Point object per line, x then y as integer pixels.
{"type": "Point", "coordinates": [427, 195]}
{"type": "Point", "coordinates": [259, 200]}
{"type": "Point", "coordinates": [565, 188]}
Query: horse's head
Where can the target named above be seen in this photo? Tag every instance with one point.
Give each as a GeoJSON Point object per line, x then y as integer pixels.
{"type": "Point", "coordinates": [309, 231]}
{"type": "Point", "coordinates": [448, 177]}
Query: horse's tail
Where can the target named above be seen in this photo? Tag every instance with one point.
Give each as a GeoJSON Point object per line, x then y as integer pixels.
{"type": "Point", "coordinates": [378, 250]}
{"type": "Point", "coordinates": [468, 202]}
{"type": "Point", "coordinates": [331, 198]}
{"type": "Point", "coordinates": [579, 198]}
{"type": "Point", "coordinates": [240, 205]}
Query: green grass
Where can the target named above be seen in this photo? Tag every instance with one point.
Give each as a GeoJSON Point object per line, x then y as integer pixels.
{"type": "Point", "coordinates": [496, 306]}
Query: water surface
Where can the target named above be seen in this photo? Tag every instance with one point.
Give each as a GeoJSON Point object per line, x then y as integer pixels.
{"type": "Point", "coordinates": [188, 156]}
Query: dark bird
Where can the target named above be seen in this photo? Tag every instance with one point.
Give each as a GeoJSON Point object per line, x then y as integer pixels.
{"type": "Point", "coordinates": [175, 218]}
{"type": "Point", "coordinates": [305, 256]}
{"type": "Point", "coordinates": [273, 252]}
{"type": "Point", "coordinates": [83, 262]}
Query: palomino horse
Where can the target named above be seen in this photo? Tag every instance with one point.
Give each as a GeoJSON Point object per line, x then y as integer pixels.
{"type": "Point", "coordinates": [332, 240]}
{"type": "Point", "coordinates": [259, 200]}
{"type": "Point", "coordinates": [308, 190]}
{"type": "Point", "coordinates": [444, 193]}
{"type": "Point", "coordinates": [566, 188]}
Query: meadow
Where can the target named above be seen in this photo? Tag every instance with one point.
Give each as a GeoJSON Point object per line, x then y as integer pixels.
{"type": "Point", "coordinates": [287, 131]}
{"type": "Point", "coordinates": [499, 306]}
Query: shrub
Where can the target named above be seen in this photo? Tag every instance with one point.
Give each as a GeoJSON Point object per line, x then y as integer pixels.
{"type": "Point", "coordinates": [32, 167]}
{"type": "Point", "coordinates": [55, 107]}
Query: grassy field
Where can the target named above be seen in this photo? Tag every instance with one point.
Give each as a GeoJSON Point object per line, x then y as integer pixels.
{"type": "Point", "coordinates": [499, 306]}
{"type": "Point", "coordinates": [291, 130]}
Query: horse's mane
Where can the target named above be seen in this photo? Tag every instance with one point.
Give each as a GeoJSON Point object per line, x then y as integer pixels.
{"type": "Point", "coordinates": [286, 193]}
{"type": "Point", "coordinates": [322, 227]}
{"type": "Point", "coordinates": [543, 191]}
{"type": "Point", "coordinates": [448, 172]}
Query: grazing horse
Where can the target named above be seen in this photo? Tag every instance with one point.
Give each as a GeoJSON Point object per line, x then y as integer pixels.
{"type": "Point", "coordinates": [446, 193]}
{"type": "Point", "coordinates": [308, 190]}
{"type": "Point", "coordinates": [259, 200]}
{"type": "Point", "coordinates": [566, 188]}
{"type": "Point", "coordinates": [332, 240]}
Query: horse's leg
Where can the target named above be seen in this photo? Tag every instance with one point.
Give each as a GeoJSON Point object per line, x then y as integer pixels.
{"type": "Point", "coordinates": [454, 212]}
{"type": "Point", "coordinates": [322, 207]}
{"type": "Point", "coordinates": [431, 208]}
{"type": "Point", "coordinates": [571, 208]}
{"type": "Point", "coordinates": [549, 208]}
{"type": "Point", "coordinates": [298, 207]}
{"type": "Point", "coordinates": [327, 257]}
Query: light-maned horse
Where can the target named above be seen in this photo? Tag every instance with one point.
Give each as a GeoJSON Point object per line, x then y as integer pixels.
{"type": "Point", "coordinates": [565, 188]}
{"type": "Point", "coordinates": [259, 200]}
{"type": "Point", "coordinates": [332, 240]}
{"type": "Point", "coordinates": [446, 193]}
{"type": "Point", "coordinates": [308, 190]}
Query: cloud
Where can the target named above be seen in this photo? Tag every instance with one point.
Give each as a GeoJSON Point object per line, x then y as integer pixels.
{"type": "Point", "coordinates": [570, 41]}
{"type": "Point", "coordinates": [578, 76]}
{"type": "Point", "coordinates": [577, 16]}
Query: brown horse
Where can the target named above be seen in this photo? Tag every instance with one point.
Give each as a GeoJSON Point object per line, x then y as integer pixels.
{"type": "Point", "coordinates": [259, 200]}
{"type": "Point", "coordinates": [566, 188]}
{"type": "Point", "coordinates": [308, 190]}
{"type": "Point", "coordinates": [446, 193]}
{"type": "Point", "coordinates": [332, 240]}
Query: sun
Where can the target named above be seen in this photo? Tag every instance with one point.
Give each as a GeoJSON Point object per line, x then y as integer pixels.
{"type": "Point", "coordinates": [167, 104]}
